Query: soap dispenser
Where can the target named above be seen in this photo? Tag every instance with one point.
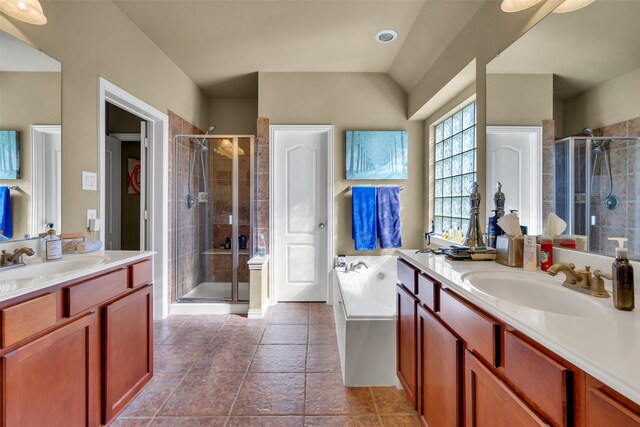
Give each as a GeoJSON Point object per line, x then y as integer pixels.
{"type": "Point", "coordinates": [622, 273]}
{"type": "Point", "coordinates": [51, 245]}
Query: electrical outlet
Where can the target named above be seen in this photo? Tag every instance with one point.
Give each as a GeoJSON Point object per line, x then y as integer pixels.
{"type": "Point", "coordinates": [91, 214]}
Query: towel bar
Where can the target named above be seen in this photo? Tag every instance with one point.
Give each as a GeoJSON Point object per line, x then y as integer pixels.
{"type": "Point", "coordinates": [349, 188]}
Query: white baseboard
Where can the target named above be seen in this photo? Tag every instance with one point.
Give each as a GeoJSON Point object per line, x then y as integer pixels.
{"type": "Point", "coordinates": [257, 313]}
{"type": "Point", "coordinates": [208, 308]}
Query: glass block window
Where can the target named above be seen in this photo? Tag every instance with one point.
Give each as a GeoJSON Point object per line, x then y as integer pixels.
{"type": "Point", "coordinates": [455, 169]}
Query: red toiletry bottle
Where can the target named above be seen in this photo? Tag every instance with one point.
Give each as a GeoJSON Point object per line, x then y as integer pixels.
{"type": "Point", "coordinates": [546, 252]}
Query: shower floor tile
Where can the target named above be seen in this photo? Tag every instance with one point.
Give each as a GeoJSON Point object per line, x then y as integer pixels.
{"type": "Point", "coordinates": [228, 370]}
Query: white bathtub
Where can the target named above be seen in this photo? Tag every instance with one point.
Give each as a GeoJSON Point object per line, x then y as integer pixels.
{"type": "Point", "coordinates": [365, 313]}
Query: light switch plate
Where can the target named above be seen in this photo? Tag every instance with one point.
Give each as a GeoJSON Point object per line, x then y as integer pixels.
{"type": "Point", "coordinates": [89, 181]}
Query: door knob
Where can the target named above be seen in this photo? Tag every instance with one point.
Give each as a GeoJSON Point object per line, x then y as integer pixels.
{"type": "Point", "coordinates": [321, 226]}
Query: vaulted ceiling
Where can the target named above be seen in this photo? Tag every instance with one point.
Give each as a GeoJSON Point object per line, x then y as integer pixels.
{"type": "Point", "coordinates": [222, 44]}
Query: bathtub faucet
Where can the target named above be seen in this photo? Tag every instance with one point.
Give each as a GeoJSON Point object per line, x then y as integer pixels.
{"type": "Point", "coordinates": [358, 265]}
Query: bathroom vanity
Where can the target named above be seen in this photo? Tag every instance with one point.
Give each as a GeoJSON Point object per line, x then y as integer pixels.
{"type": "Point", "coordinates": [469, 352]}
{"type": "Point", "coordinates": [76, 346]}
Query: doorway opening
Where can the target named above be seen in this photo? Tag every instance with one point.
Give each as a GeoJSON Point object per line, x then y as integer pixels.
{"type": "Point", "coordinates": [125, 180]}
{"type": "Point", "coordinates": [157, 219]}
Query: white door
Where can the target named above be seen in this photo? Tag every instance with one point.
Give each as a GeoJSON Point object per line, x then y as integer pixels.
{"type": "Point", "coordinates": [300, 217]}
{"type": "Point", "coordinates": [46, 177]}
{"type": "Point", "coordinates": [514, 158]}
{"type": "Point", "coordinates": [113, 181]}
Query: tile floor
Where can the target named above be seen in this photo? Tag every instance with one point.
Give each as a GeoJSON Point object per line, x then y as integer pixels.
{"type": "Point", "coordinates": [284, 370]}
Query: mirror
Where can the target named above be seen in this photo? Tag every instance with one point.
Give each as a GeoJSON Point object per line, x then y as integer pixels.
{"type": "Point", "coordinates": [30, 108]}
{"type": "Point", "coordinates": [580, 69]}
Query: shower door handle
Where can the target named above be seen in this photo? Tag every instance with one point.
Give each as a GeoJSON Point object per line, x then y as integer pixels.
{"type": "Point", "coordinates": [321, 226]}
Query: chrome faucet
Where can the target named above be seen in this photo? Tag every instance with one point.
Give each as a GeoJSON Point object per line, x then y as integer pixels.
{"type": "Point", "coordinates": [358, 265]}
{"type": "Point", "coordinates": [582, 280]}
{"type": "Point", "coordinates": [8, 260]}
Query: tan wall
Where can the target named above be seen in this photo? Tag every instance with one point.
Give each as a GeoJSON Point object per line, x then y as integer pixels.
{"type": "Point", "coordinates": [233, 116]}
{"type": "Point", "coordinates": [350, 101]}
{"type": "Point", "coordinates": [93, 39]}
{"type": "Point", "coordinates": [519, 99]}
{"type": "Point", "coordinates": [487, 33]}
{"type": "Point", "coordinates": [26, 99]}
{"type": "Point", "coordinates": [610, 102]}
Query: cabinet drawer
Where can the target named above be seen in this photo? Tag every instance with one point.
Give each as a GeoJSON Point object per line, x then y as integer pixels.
{"type": "Point", "coordinates": [541, 380]}
{"type": "Point", "coordinates": [90, 293]}
{"type": "Point", "coordinates": [140, 274]}
{"type": "Point", "coordinates": [478, 331]}
{"type": "Point", "coordinates": [605, 409]}
{"type": "Point", "coordinates": [427, 291]}
{"type": "Point", "coordinates": [28, 318]}
{"type": "Point", "coordinates": [408, 276]}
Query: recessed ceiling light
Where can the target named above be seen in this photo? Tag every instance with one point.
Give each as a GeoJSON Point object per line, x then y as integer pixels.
{"type": "Point", "coordinates": [386, 36]}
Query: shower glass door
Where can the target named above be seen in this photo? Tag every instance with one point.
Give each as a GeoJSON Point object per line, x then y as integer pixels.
{"type": "Point", "coordinates": [214, 236]}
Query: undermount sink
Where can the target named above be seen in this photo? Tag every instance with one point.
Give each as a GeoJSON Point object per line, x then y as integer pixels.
{"type": "Point", "coordinates": [534, 291]}
{"type": "Point", "coordinates": [37, 268]}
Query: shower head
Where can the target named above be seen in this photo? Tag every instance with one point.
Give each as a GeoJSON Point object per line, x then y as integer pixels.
{"type": "Point", "coordinates": [587, 132]}
{"type": "Point", "coordinates": [200, 142]}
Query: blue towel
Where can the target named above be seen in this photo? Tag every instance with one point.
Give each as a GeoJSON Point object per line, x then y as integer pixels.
{"type": "Point", "coordinates": [363, 228]}
{"type": "Point", "coordinates": [389, 217]}
{"type": "Point", "coordinates": [6, 225]}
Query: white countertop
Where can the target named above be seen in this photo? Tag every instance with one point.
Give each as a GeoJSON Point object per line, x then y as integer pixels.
{"type": "Point", "coordinates": [100, 260]}
{"type": "Point", "coordinates": [606, 346]}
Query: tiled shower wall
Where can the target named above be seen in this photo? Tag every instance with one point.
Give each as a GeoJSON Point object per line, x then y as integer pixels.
{"type": "Point", "coordinates": [191, 222]}
{"type": "Point", "coordinates": [624, 157]}
{"type": "Point", "coordinates": [261, 204]}
{"type": "Point", "coordinates": [624, 221]}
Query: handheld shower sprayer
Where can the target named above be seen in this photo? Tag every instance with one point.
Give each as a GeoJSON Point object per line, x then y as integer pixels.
{"type": "Point", "coordinates": [601, 177]}
{"type": "Point", "coordinates": [201, 148]}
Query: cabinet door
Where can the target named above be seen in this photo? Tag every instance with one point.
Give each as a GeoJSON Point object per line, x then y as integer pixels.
{"type": "Point", "coordinates": [439, 373]}
{"type": "Point", "coordinates": [603, 409]}
{"type": "Point", "coordinates": [489, 402]}
{"type": "Point", "coordinates": [52, 380]}
{"type": "Point", "coordinates": [406, 342]}
{"type": "Point", "coordinates": [127, 350]}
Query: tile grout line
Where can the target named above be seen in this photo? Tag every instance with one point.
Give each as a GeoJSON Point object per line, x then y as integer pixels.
{"type": "Point", "coordinates": [375, 406]}
{"type": "Point", "coordinates": [244, 377]}
{"type": "Point", "coordinates": [189, 369]}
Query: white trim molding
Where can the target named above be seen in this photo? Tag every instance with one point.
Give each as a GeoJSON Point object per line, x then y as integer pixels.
{"type": "Point", "coordinates": [158, 187]}
{"type": "Point", "coordinates": [40, 182]}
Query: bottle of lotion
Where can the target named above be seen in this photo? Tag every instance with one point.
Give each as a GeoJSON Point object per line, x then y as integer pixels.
{"type": "Point", "coordinates": [622, 273]}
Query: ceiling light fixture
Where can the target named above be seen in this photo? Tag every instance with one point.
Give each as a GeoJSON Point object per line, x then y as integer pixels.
{"type": "Point", "coordinates": [511, 6]}
{"type": "Point", "coordinates": [29, 11]}
{"type": "Point", "coordinates": [386, 36]}
{"type": "Point", "coordinates": [571, 5]}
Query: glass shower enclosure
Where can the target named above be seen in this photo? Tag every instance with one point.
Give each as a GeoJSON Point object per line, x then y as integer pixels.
{"type": "Point", "coordinates": [214, 217]}
{"type": "Point", "coordinates": [592, 183]}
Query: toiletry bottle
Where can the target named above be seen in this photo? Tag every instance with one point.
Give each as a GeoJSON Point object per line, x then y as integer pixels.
{"type": "Point", "coordinates": [262, 245]}
{"type": "Point", "coordinates": [622, 273]}
{"type": "Point", "coordinates": [546, 252]}
{"type": "Point", "coordinates": [51, 247]}
{"type": "Point", "coordinates": [492, 229]}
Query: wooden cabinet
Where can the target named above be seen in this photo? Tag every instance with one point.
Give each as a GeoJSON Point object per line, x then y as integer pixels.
{"type": "Point", "coordinates": [52, 381]}
{"type": "Point", "coordinates": [127, 350]}
{"type": "Point", "coordinates": [439, 373]}
{"type": "Point", "coordinates": [604, 408]}
{"type": "Point", "coordinates": [461, 366]}
{"type": "Point", "coordinates": [76, 353]}
{"type": "Point", "coordinates": [406, 342]}
{"type": "Point", "coordinates": [490, 403]}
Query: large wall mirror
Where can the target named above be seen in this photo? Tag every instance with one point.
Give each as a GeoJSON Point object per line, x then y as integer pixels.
{"type": "Point", "coordinates": [577, 76]}
{"type": "Point", "coordinates": [30, 140]}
